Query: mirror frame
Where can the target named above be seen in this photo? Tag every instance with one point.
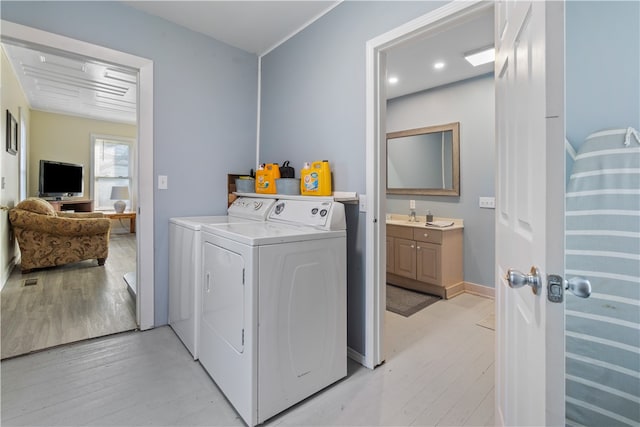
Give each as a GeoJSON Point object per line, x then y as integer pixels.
{"type": "Point", "coordinates": [455, 155]}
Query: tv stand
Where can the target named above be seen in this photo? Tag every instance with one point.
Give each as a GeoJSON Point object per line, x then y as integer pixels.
{"type": "Point", "coordinates": [72, 205]}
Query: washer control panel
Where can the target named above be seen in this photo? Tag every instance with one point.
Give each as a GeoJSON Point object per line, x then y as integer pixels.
{"type": "Point", "coordinates": [319, 214]}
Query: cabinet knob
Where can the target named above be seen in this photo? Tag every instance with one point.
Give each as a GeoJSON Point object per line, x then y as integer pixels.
{"type": "Point", "coordinates": [418, 247]}
{"type": "Point", "coordinates": [412, 246]}
{"type": "Point", "coordinates": [426, 234]}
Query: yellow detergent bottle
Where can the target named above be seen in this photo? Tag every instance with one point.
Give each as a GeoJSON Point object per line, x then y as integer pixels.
{"type": "Point", "coordinates": [266, 176]}
{"type": "Point", "coordinates": [315, 179]}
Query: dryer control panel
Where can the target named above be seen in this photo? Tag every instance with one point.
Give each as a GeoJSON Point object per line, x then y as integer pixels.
{"type": "Point", "coordinates": [251, 208]}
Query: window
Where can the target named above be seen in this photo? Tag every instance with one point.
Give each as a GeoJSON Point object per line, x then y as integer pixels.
{"type": "Point", "coordinates": [111, 165]}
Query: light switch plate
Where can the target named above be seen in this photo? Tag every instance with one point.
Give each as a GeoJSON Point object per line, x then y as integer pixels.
{"type": "Point", "coordinates": [162, 182]}
{"type": "Point", "coordinates": [362, 202]}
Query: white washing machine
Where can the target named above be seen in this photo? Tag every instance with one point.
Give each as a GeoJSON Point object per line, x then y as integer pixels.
{"type": "Point", "coordinates": [273, 321]}
{"type": "Point", "coordinates": [185, 264]}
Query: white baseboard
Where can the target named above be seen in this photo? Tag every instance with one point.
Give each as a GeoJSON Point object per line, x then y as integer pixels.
{"type": "Point", "coordinates": [480, 290]}
{"type": "Point", "coordinates": [355, 356]}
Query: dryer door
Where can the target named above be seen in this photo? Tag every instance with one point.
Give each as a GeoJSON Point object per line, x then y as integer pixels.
{"type": "Point", "coordinates": [223, 294]}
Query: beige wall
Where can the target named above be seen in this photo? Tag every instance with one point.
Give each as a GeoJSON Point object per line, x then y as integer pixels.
{"type": "Point", "coordinates": [12, 99]}
{"type": "Point", "coordinates": [67, 139]}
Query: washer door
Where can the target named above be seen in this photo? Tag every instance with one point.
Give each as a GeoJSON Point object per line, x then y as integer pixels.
{"type": "Point", "coordinates": [223, 294]}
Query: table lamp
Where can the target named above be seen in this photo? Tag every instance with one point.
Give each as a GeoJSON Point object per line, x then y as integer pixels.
{"type": "Point", "coordinates": [119, 193]}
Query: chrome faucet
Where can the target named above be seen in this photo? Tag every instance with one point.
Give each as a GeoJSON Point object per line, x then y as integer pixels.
{"type": "Point", "coordinates": [412, 216]}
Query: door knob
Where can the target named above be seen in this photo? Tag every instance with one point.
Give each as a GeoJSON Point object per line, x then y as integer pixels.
{"type": "Point", "coordinates": [517, 279]}
{"type": "Point", "coordinates": [579, 286]}
{"type": "Point", "coordinates": [556, 285]}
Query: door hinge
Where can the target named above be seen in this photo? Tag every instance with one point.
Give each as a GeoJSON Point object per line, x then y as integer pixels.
{"type": "Point", "coordinates": [243, 276]}
{"type": "Point", "coordinates": [243, 337]}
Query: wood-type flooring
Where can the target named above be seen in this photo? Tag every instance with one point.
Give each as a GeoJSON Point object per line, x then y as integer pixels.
{"type": "Point", "coordinates": [439, 371]}
{"type": "Point", "coordinates": [69, 303]}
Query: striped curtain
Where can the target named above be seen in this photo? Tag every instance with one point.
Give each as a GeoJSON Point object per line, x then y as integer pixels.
{"type": "Point", "coordinates": [603, 245]}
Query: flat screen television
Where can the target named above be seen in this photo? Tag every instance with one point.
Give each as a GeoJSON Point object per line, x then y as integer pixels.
{"type": "Point", "coordinates": [58, 179]}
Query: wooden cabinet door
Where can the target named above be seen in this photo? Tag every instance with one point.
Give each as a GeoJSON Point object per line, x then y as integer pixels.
{"type": "Point", "coordinates": [405, 258]}
{"type": "Point", "coordinates": [428, 260]}
{"type": "Point", "coordinates": [390, 255]}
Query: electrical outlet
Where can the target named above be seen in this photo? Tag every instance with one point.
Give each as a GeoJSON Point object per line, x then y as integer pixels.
{"type": "Point", "coordinates": [487, 202]}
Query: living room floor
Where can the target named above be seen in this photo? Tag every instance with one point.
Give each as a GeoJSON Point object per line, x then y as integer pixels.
{"type": "Point", "coordinates": [69, 303]}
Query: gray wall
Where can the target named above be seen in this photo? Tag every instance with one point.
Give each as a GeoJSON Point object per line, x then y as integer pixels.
{"type": "Point", "coordinates": [471, 103]}
{"type": "Point", "coordinates": [313, 108]}
{"type": "Point", "coordinates": [602, 67]}
{"type": "Point", "coordinates": [603, 92]}
{"type": "Point", "coordinates": [204, 106]}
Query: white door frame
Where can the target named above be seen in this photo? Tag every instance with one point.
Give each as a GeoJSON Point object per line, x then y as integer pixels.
{"type": "Point", "coordinates": [376, 161]}
{"type": "Point", "coordinates": [145, 271]}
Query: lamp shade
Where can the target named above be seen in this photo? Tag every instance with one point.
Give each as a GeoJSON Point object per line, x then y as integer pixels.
{"type": "Point", "coordinates": [119, 193]}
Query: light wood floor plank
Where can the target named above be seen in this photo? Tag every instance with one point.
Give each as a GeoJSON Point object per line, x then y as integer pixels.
{"type": "Point", "coordinates": [69, 303]}
{"type": "Point", "coordinates": [439, 371]}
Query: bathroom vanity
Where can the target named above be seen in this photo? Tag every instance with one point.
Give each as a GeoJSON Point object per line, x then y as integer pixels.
{"type": "Point", "coordinates": [425, 258]}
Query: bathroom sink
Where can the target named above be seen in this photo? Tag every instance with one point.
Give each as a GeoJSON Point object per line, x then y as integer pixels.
{"type": "Point", "coordinates": [420, 222]}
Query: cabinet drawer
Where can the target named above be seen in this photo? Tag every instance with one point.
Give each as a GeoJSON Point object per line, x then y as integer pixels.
{"type": "Point", "coordinates": [400, 231]}
{"type": "Point", "coordinates": [427, 235]}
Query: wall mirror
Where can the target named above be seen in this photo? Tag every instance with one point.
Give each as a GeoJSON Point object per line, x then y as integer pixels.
{"type": "Point", "coordinates": [424, 161]}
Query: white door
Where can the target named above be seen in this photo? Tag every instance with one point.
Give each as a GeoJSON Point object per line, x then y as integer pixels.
{"type": "Point", "coordinates": [529, 211]}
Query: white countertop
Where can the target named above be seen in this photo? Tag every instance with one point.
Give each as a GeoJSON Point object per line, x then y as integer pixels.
{"type": "Point", "coordinates": [403, 220]}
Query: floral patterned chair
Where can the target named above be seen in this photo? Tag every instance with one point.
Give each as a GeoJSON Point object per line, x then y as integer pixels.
{"type": "Point", "coordinates": [48, 238]}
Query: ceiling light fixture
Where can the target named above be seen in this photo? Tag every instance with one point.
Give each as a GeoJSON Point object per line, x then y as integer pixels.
{"type": "Point", "coordinates": [481, 57]}
{"type": "Point", "coordinates": [393, 80]}
{"type": "Point", "coordinates": [438, 65]}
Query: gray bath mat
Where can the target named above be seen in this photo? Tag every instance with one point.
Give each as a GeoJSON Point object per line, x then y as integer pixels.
{"type": "Point", "coordinates": [406, 302]}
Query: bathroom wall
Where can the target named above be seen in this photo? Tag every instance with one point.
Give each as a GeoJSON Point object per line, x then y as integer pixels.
{"type": "Point", "coordinates": [470, 102]}
{"type": "Point", "coordinates": [602, 340]}
{"type": "Point", "coordinates": [602, 67]}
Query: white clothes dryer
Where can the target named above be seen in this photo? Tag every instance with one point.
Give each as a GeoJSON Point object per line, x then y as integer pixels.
{"type": "Point", "coordinates": [185, 265]}
{"type": "Point", "coordinates": [273, 322]}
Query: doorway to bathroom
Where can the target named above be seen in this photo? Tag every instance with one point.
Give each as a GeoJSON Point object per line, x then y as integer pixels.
{"type": "Point", "coordinates": [427, 82]}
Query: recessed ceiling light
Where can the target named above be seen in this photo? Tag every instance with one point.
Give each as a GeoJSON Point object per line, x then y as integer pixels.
{"type": "Point", "coordinates": [393, 80]}
{"type": "Point", "coordinates": [481, 57]}
{"type": "Point", "coordinates": [438, 65]}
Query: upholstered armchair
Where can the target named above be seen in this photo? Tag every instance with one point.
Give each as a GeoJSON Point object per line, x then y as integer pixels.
{"type": "Point", "coordinates": [48, 238]}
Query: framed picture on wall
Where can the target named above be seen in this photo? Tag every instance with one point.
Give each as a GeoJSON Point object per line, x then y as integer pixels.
{"type": "Point", "coordinates": [12, 134]}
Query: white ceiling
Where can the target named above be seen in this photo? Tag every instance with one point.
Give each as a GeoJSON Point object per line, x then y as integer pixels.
{"type": "Point", "coordinates": [412, 63]}
{"type": "Point", "coordinates": [77, 86]}
{"type": "Point", "coordinates": [253, 26]}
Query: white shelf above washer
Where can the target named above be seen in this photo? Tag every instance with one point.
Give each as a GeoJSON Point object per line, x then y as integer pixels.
{"type": "Point", "coordinates": [338, 196]}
